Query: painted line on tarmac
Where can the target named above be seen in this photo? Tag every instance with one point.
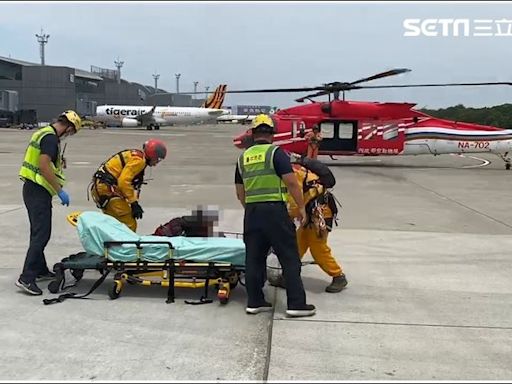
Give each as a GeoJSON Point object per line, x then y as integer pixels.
{"type": "Point", "coordinates": [483, 164]}
{"type": "Point", "coordinates": [81, 163]}
{"type": "Point", "coordinates": [144, 134]}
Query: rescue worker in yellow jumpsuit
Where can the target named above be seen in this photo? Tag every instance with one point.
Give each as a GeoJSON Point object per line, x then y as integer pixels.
{"type": "Point", "coordinates": [313, 235]}
{"type": "Point", "coordinates": [116, 184]}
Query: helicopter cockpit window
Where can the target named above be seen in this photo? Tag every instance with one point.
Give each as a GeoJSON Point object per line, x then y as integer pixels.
{"type": "Point", "coordinates": [346, 131]}
{"type": "Point", "coordinates": [327, 130]}
{"type": "Point", "coordinates": [390, 133]}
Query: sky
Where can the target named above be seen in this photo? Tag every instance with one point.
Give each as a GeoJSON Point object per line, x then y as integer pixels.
{"type": "Point", "coordinates": [250, 45]}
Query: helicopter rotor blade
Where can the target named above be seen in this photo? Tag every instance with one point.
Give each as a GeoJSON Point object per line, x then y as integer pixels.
{"type": "Point", "coordinates": [268, 90]}
{"type": "Point", "coordinates": [321, 93]}
{"type": "Point", "coordinates": [392, 72]}
{"type": "Point", "coordinates": [431, 85]}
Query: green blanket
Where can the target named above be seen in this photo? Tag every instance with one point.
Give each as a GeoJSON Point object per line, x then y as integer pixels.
{"type": "Point", "coordinates": [94, 229]}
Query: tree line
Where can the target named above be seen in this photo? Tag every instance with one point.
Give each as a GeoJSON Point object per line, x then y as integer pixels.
{"type": "Point", "coordinates": [497, 116]}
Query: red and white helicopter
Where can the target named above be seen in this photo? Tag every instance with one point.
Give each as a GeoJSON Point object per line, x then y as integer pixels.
{"type": "Point", "coordinates": [377, 129]}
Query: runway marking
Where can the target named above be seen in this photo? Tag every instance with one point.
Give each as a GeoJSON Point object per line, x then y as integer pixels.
{"type": "Point", "coordinates": [81, 163]}
{"type": "Point", "coordinates": [144, 134]}
{"type": "Point", "coordinates": [483, 164]}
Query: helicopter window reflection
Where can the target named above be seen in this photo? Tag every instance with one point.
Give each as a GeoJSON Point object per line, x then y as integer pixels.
{"type": "Point", "coordinates": [390, 134]}
{"type": "Point", "coordinates": [327, 130]}
{"type": "Point", "coordinates": [346, 131]}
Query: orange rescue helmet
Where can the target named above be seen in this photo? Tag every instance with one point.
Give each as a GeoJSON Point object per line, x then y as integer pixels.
{"type": "Point", "coordinates": [155, 150]}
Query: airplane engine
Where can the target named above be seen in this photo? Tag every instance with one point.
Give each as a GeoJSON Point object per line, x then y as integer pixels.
{"type": "Point", "coordinates": [127, 122]}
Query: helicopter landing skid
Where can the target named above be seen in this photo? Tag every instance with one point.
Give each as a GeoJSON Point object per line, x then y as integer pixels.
{"type": "Point", "coordinates": [506, 159]}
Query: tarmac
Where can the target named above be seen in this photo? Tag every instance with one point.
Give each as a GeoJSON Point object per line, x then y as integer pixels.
{"type": "Point", "coordinates": [425, 243]}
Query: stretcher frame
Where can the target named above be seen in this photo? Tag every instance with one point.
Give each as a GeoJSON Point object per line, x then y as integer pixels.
{"type": "Point", "coordinates": [171, 273]}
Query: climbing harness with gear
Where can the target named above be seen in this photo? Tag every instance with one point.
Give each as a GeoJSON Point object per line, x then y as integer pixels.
{"type": "Point", "coordinates": [103, 176]}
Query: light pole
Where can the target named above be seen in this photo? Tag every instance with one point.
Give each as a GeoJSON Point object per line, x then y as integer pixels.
{"type": "Point", "coordinates": [195, 87]}
{"type": "Point", "coordinates": [206, 94]}
{"type": "Point", "coordinates": [42, 40]}
{"type": "Point", "coordinates": [178, 75]}
{"type": "Point", "coordinates": [156, 76]}
{"type": "Point", "coordinates": [118, 65]}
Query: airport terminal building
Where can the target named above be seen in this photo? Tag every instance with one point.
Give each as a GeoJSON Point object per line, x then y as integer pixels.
{"type": "Point", "coordinates": [44, 91]}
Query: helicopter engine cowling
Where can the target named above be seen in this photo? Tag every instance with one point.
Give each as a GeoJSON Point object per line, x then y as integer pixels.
{"type": "Point", "coordinates": [127, 122]}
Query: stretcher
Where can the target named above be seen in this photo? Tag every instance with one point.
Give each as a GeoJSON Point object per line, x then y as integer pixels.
{"type": "Point", "coordinates": [171, 262]}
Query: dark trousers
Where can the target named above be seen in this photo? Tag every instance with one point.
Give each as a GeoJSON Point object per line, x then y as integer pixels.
{"type": "Point", "coordinates": [39, 206]}
{"type": "Point", "coordinates": [268, 225]}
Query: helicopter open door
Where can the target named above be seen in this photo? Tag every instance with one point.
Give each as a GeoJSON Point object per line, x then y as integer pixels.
{"type": "Point", "coordinates": [338, 136]}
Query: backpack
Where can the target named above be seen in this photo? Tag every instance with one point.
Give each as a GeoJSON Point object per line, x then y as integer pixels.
{"type": "Point", "coordinates": [326, 177]}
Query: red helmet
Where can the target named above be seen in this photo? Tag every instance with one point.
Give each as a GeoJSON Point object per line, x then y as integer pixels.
{"type": "Point", "coordinates": [155, 150]}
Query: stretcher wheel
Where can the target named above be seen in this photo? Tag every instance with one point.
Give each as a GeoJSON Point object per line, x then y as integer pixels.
{"type": "Point", "coordinates": [77, 274]}
{"type": "Point", "coordinates": [233, 280]}
{"type": "Point", "coordinates": [223, 292]}
{"type": "Point", "coordinates": [53, 287]}
{"type": "Point", "coordinates": [223, 297]}
{"type": "Point", "coordinates": [115, 290]}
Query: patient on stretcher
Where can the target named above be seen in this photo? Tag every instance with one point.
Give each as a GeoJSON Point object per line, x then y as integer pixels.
{"type": "Point", "coordinates": [94, 229]}
{"type": "Point", "coordinates": [201, 223]}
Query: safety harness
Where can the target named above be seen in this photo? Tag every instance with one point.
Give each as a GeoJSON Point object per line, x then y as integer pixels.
{"type": "Point", "coordinates": [102, 175]}
{"type": "Point", "coordinates": [314, 208]}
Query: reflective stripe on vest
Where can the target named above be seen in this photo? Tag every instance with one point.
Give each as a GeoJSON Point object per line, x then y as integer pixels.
{"type": "Point", "coordinates": [30, 168]}
{"type": "Point", "coordinates": [261, 183]}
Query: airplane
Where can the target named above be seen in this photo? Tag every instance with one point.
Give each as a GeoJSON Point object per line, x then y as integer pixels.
{"type": "Point", "coordinates": [375, 128]}
{"type": "Point", "coordinates": [155, 117]}
{"type": "Point", "coordinates": [229, 117]}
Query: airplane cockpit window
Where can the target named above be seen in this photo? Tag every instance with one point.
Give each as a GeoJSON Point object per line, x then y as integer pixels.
{"type": "Point", "coordinates": [327, 129]}
{"type": "Point", "coordinates": [346, 131]}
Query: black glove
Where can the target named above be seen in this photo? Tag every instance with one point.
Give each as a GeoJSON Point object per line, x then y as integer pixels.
{"type": "Point", "coordinates": [136, 210]}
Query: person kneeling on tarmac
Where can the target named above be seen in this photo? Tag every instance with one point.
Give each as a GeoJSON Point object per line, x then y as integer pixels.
{"type": "Point", "coordinates": [313, 235]}
{"type": "Point", "coordinates": [115, 186]}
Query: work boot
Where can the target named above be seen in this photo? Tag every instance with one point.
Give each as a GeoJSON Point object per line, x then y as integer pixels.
{"type": "Point", "coordinates": [277, 281]}
{"type": "Point", "coordinates": [338, 283]}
